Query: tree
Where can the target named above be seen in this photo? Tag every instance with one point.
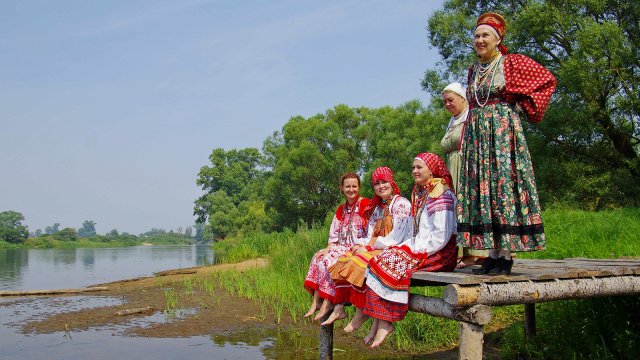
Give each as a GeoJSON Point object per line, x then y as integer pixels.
{"type": "Point", "coordinates": [199, 231]}
{"type": "Point", "coordinates": [591, 134]}
{"type": "Point", "coordinates": [11, 228]}
{"type": "Point", "coordinates": [88, 229]}
{"type": "Point", "coordinates": [113, 233]}
{"type": "Point", "coordinates": [50, 230]}
{"type": "Point", "coordinates": [38, 232]}
{"type": "Point", "coordinates": [188, 231]}
{"type": "Point", "coordinates": [66, 234]}
{"type": "Point", "coordinates": [307, 158]}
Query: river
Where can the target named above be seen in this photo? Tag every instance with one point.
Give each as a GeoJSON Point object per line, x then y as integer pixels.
{"type": "Point", "coordinates": [31, 269]}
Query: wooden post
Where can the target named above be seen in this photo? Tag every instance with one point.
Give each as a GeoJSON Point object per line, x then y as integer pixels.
{"type": "Point", "coordinates": [529, 320]}
{"type": "Point", "coordinates": [471, 341]}
{"type": "Point", "coordinates": [326, 339]}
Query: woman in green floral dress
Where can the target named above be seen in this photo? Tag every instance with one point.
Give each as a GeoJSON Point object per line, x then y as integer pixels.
{"type": "Point", "coordinates": [498, 205]}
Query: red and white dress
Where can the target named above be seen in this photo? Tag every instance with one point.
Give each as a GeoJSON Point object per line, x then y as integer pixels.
{"type": "Point", "coordinates": [349, 225]}
{"type": "Point", "coordinates": [432, 249]}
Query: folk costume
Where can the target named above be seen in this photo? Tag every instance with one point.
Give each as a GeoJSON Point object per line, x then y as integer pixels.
{"type": "Point", "coordinates": [452, 140]}
{"type": "Point", "coordinates": [390, 223]}
{"type": "Point", "coordinates": [349, 225]}
{"type": "Point", "coordinates": [433, 248]}
{"type": "Point", "coordinates": [498, 205]}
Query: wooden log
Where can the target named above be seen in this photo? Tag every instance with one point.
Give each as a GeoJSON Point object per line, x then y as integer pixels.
{"type": "Point", "coordinates": [326, 339]}
{"type": "Point", "coordinates": [134, 311]}
{"type": "Point", "coordinates": [530, 320]}
{"type": "Point", "coordinates": [176, 272]}
{"type": "Point", "coordinates": [530, 291]}
{"type": "Point", "coordinates": [478, 314]}
{"type": "Point", "coordinates": [471, 341]}
{"type": "Point", "coordinates": [51, 292]}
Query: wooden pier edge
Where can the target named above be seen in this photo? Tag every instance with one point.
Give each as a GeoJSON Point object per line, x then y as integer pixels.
{"type": "Point", "coordinates": [540, 291]}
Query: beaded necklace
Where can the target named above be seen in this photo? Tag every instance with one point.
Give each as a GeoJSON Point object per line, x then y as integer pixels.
{"type": "Point", "coordinates": [348, 211]}
{"type": "Point", "coordinates": [481, 75]}
{"type": "Point", "coordinates": [417, 203]}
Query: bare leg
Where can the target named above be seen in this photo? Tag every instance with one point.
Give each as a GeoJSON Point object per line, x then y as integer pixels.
{"type": "Point", "coordinates": [324, 309]}
{"type": "Point", "coordinates": [356, 322]}
{"type": "Point", "coordinates": [384, 328]}
{"type": "Point", "coordinates": [372, 333]}
{"type": "Point", "coordinates": [337, 314]}
{"type": "Point", "coordinates": [314, 304]}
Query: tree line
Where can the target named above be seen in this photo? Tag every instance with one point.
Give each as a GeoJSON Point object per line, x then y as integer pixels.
{"type": "Point", "coordinates": [585, 151]}
{"type": "Point", "coordinates": [14, 231]}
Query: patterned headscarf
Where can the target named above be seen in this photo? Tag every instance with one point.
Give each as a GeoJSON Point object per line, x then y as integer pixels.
{"type": "Point", "coordinates": [437, 167]}
{"type": "Point", "coordinates": [497, 23]}
{"type": "Point", "coordinates": [381, 173]}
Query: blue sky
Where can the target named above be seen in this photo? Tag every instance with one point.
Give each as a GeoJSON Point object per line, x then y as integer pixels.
{"type": "Point", "coordinates": [108, 109]}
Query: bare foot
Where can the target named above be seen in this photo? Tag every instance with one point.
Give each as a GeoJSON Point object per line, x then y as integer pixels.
{"type": "Point", "coordinates": [372, 333]}
{"type": "Point", "coordinates": [356, 322]}
{"type": "Point", "coordinates": [384, 328]}
{"type": "Point", "coordinates": [314, 304]}
{"type": "Point", "coordinates": [337, 314]}
{"type": "Point", "coordinates": [326, 307]}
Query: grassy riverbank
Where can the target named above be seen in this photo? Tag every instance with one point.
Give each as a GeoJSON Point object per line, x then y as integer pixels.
{"type": "Point", "coordinates": [606, 326]}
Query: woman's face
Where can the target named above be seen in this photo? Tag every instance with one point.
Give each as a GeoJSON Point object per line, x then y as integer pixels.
{"type": "Point", "coordinates": [350, 189]}
{"type": "Point", "coordinates": [421, 173]}
{"type": "Point", "coordinates": [485, 42]}
{"type": "Point", "coordinates": [383, 189]}
{"type": "Point", "coordinates": [454, 103]}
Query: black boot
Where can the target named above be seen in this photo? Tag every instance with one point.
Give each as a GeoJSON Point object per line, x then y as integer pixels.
{"type": "Point", "coordinates": [488, 264]}
{"type": "Point", "coordinates": [502, 267]}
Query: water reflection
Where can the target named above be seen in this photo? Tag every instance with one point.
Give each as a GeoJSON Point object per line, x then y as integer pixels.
{"type": "Point", "coordinates": [30, 269]}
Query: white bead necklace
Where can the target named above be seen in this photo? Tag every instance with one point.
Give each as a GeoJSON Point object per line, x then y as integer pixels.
{"type": "Point", "coordinates": [481, 77]}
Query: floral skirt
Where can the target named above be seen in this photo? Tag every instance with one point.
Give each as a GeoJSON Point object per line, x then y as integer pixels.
{"type": "Point", "coordinates": [318, 277]}
{"type": "Point", "coordinates": [498, 205]}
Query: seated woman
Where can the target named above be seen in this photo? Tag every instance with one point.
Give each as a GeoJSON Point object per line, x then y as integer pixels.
{"type": "Point", "coordinates": [390, 223]}
{"type": "Point", "coordinates": [349, 224]}
{"type": "Point", "coordinates": [433, 248]}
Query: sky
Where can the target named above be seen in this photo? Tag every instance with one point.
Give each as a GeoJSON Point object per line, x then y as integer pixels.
{"type": "Point", "coordinates": [108, 109]}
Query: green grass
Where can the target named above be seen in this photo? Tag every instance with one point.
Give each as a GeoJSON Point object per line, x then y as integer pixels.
{"type": "Point", "coordinates": [563, 326]}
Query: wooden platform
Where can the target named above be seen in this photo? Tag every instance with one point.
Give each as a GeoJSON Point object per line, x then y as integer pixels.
{"type": "Point", "coordinates": [534, 270]}
{"type": "Point", "coordinates": [468, 298]}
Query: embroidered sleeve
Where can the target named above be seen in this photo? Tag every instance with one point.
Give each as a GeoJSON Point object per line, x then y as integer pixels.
{"type": "Point", "coordinates": [437, 224]}
{"type": "Point", "coordinates": [334, 230]}
{"type": "Point", "coordinates": [402, 225]}
{"type": "Point", "coordinates": [529, 84]}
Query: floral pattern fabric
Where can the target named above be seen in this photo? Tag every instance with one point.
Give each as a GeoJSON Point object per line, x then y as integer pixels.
{"type": "Point", "coordinates": [498, 204]}
{"type": "Point", "coordinates": [343, 234]}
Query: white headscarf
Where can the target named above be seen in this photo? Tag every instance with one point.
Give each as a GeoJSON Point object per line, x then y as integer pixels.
{"type": "Point", "coordinates": [457, 88]}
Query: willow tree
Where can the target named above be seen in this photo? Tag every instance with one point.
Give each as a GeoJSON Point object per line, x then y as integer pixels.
{"type": "Point", "coordinates": [586, 150]}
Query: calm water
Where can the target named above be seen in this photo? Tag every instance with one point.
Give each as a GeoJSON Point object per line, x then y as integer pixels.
{"type": "Point", "coordinates": [71, 268]}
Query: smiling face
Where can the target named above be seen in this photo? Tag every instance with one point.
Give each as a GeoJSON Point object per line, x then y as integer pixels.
{"type": "Point", "coordinates": [421, 173]}
{"type": "Point", "coordinates": [350, 188]}
{"type": "Point", "coordinates": [383, 189]}
{"type": "Point", "coordinates": [454, 103]}
{"type": "Point", "coordinates": [485, 42]}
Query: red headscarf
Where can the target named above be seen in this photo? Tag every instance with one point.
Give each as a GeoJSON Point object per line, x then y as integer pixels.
{"type": "Point", "coordinates": [498, 23]}
{"type": "Point", "coordinates": [437, 167]}
{"type": "Point", "coordinates": [381, 173]}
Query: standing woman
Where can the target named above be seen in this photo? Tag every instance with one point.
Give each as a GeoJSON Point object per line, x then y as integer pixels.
{"type": "Point", "coordinates": [348, 226]}
{"type": "Point", "coordinates": [454, 97]}
{"type": "Point", "coordinates": [498, 205]}
{"type": "Point", "coordinates": [433, 248]}
{"type": "Point", "coordinates": [390, 223]}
